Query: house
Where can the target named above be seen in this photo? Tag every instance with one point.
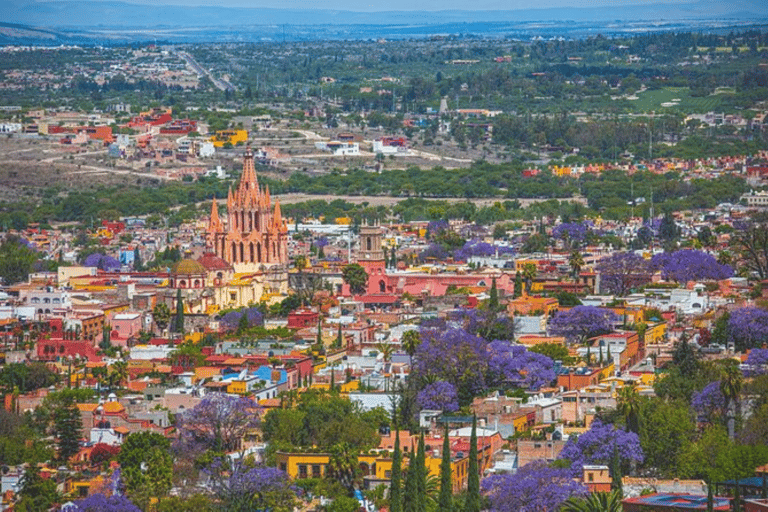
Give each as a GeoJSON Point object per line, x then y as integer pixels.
{"type": "Point", "coordinates": [667, 502]}
{"type": "Point", "coordinates": [597, 478]}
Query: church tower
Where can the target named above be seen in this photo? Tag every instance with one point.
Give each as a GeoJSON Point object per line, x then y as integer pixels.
{"type": "Point", "coordinates": [256, 236]}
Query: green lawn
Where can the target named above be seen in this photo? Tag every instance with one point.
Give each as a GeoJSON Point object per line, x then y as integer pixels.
{"type": "Point", "coordinates": [653, 100]}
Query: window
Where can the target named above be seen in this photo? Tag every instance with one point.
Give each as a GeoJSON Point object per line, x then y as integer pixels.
{"type": "Point", "coordinates": [302, 471]}
{"type": "Point", "coordinates": [233, 296]}
{"type": "Point", "coordinates": [283, 467]}
{"type": "Point", "coordinates": [316, 471]}
{"type": "Point", "coordinates": [591, 477]}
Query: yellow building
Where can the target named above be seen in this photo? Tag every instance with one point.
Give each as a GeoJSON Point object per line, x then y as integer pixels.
{"type": "Point", "coordinates": [374, 465]}
{"type": "Point", "coordinates": [223, 137]}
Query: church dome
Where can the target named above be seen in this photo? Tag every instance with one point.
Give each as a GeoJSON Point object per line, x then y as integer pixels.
{"type": "Point", "coordinates": [212, 262]}
{"type": "Point", "coordinates": [186, 267]}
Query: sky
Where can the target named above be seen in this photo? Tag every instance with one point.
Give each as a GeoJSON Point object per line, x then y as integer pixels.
{"type": "Point", "coordinates": [395, 5]}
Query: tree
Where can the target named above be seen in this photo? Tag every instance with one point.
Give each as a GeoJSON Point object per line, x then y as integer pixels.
{"type": "Point", "coordinates": [731, 383]}
{"type": "Point", "coordinates": [420, 472]}
{"type": "Point", "coordinates": [137, 264]}
{"type": "Point", "coordinates": [751, 241]}
{"type": "Point", "coordinates": [37, 494]}
{"type": "Point", "coordinates": [473, 502]}
{"type": "Point", "coordinates": [622, 271]}
{"type": "Point", "coordinates": [595, 502]}
{"type": "Point", "coordinates": [411, 341]}
{"type": "Point", "coordinates": [581, 323]}
{"type": "Point", "coordinates": [493, 300]}
{"type": "Point", "coordinates": [445, 501]}
{"type": "Point", "coordinates": [518, 285]}
{"type": "Point", "coordinates": [219, 422]}
{"type": "Point", "coordinates": [356, 277]}
{"type": "Point", "coordinates": [146, 464]}
{"type": "Point", "coordinates": [597, 445]}
{"type": "Point", "coordinates": [67, 429]}
{"type": "Point", "coordinates": [576, 262]}
{"type": "Point", "coordinates": [343, 466]}
{"type": "Point", "coordinates": [535, 486]}
{"type": "Point", "coordinates": [178, 322]}
{"type": "Point", "coordinates": [628, 405]}
{"type": "Point", "coordinates": [690, 265]}
{"type": "Point", "coordinates": [161, 313]}
{"type": "Point", "coordinates": [747, 327]}
{"type": "Point", "coordinates": [395, 493]}
{"type": "Point", "coordinates": [100, 503]}
{"type": "Point", "coordinates": [439, 396]}
{"type": "Point", "coordinates": [243, 488]}
{"type": "Point", "coordinates": [16, 259]}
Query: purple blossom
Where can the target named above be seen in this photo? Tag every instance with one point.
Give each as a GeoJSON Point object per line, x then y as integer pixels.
{"type": "Point", "coordinates": [439, 396]}
{"type": "Point", "coordinates": [475, 365]}
{"type": "Point", "coordinates": [240, 487]}
{"type": "Point", "coordinates": [756, 363]}
{"type": "Point", "coordinates": [747, 327]}
{"type": "Point", "coordinates": [572, 233]}
{"type": "Point", "coordinates": [536, 487]}
{"type": "Point", "coordinates": [218, 422]}
{"type": "Point", "coordinates": [435, 227]}
{"type": "Point", "coordinates": [102, 262]}
{"type": "Point", "coordinates": [581, 323]}
{"type": "Point", "coordinates": [479, 248]}
{"type": "Point", "coordinates": [690, 265]}
{"type": "Point", "coordinates": [433, 251]}
{"type": "Point", "coordinates": [321, 242]}
{"type": "Point", "coordinates": [709, 402]}
{"type": "Point", "coordinates": [100, 503]}
{"type": "Point", "coordinates": [598, 446]}
{"type": "Point", "coordinates": [231, 320]}
{"type": "Point", "coordinates": [622, 271]}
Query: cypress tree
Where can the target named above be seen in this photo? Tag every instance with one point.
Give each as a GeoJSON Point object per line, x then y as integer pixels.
{"type": "Point", "coordinates": [395, 494]}
{"type": "Point", "coordinates": [178, 323]}
{"type": "Point", "coordinates": [445, 501]}
{"type": "Point", "coordinates": [421, 476]}
{"type": "Point", "coordinates": [333, 380]}
{"type": "Point", "coordinates": [493, 301]}
{"type": "Point", "coordinates": [410, 493]}
{"type": "Point", "coordinates": [320, 330]}
{"type": "Point", "coordinates": [616, 483]}
{"type": "Point", "coordinates": [518, 284]}
{"type": "Point", "coordinates": [137, 264]}
{"type": "Point", "coordinates": [472, 504]}
{"type": "Point", "coordinates": [737, 497]}
{"type": "Point", "coordinates": [589, 355]}
{"type": "Point", "coordinates": [710, 497]}
{"type": "Point", "coordinates": [608, 357]}
{"type": "Point", "coordinates": [67, 426]}
{"type": "Point", "coordinates": [339, 337]}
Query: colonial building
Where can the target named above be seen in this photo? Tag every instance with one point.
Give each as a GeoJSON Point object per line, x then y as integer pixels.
{"type": "Point", "coordinates": [256, 236]}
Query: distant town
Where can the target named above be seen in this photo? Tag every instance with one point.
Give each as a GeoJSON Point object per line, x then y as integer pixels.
{"type": "Point", "coordinates": [504, 276]}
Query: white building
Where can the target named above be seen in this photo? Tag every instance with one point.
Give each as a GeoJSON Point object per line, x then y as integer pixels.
{"type": "Point", "coordinates": [337, 148]}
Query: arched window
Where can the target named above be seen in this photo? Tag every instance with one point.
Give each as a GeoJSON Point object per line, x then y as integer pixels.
{"type": "Point", "coordinates": [234, 252]}
{"type": "Point", "coordinates": [46, 300]}
{"type": "Point", "coordinates": [368, 243]}
{"type": "Point", "coordinates": [258, 252]}
{"type": "Point", "coordinates": [197, 283]}
{"type": "Point", "coordinates": [253, 254]}
{"type": "Point", "coordinates": [382, 286]}
{"type": "Point", "coordinates": [182, 284]}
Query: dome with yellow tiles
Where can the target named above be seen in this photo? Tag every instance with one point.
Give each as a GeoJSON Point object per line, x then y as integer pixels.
{"type": "Point", "coordinates": [187, 267]}
{"type": "Point", "coordinates": [113, 408]}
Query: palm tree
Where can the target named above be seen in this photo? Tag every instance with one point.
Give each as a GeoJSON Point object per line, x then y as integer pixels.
{"type": "Point", "coordinates": [576, 262]}
{"type": "Point", "coordinates": [628, 405]}
{"type": "Point", "coordinates": [411, 341]}
{"type": "Point", "coordinates": [120, 371]}
{"type": "Point", "coordinates": [731, 382]}
{"type": "Point", "coordinates": [594, 502]}
{"type": "Point", "coordinates": [529, 274]}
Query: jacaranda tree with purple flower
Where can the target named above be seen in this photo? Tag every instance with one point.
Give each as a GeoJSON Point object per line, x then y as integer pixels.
{"type": "Point", "coordinates": [475, 365]}
{"type": "Point", "coordinates": [599, 445]}
{"type": "Point", "coordinates": [709, 403]}
{"type": "Point", "coordinates": [622, 271]}
{"type": "Point", "coordinates": [756, 363]}
{"type": "Point", "coordinates": [102, 262]}
{"type": "Point", "coordinates": [536, 487]}
{"type": "Point", "coordinates": [747, 327]}
{"type": "Point", "coordinates": [231, 320]}
{"type": "Point", "coordinates": [572, 234]}
{"type": "Point", "coordinates": [239, 487]}
{"type": "Point", "coordinates": [581, 323]}
{"type": "Point", "coordinates": [439, 396]}
{"type": "Point", "coordinates": [479, 248]}
{"type": "Point", "coordinates": [690, 265]}
{"type": "Point", "coordinates": [100, 503]}
{"type": "Point", "coordinates": [219, 423]}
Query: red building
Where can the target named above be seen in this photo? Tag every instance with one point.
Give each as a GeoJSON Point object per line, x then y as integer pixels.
{"type": "Point", "coordinates": [302, 318]}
